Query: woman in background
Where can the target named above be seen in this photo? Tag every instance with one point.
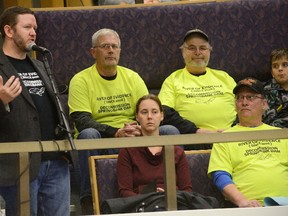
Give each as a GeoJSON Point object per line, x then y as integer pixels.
{"type": "Point", "coordinates": [141, 167]}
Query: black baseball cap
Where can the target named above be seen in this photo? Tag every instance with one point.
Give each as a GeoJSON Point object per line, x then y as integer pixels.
{"type": "Point", "coordinates": [196, 32]}
{"type": "Point", "coordinates": [251, 83]}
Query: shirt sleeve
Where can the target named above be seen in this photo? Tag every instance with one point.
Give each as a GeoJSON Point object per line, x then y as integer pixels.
{"type": "Point", "coordinates": [220, 159]}
{"type": "Point", "coordinates": [221, 179]}
{"type": "Point", "coordinates": [84, 120]}
{"type": "Point", "coordinates": [124, 174]}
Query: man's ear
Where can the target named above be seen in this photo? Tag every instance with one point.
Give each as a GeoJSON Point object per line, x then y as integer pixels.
{"type": "Point", "coordinates": [265, 105]}
{"type": "Point", "coordinates": [92, 52]}
{"type": "Point", "coordinates": [8, 31]}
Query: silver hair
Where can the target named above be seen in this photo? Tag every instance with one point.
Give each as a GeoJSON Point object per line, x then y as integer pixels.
{"type": "Point", "coordinates": [102, 32]}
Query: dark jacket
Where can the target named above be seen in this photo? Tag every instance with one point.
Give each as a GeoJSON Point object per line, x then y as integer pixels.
{"type": "Point", "coordinates": [20, 124]}
{"type": "Point", "coordinates": [156, 201]}
{"type": "Point", "coordinates": [277, 98]}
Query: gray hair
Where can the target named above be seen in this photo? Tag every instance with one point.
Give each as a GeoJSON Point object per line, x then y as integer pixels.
{"type": "Point", "coordinates": [102, 32]}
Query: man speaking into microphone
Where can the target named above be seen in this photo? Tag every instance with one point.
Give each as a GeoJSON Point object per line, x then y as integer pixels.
{"type": "Point", "coordinates": [28, 112]}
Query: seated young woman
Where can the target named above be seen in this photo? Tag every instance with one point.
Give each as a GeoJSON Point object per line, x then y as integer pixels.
{"type": "Point", "coordinates": [140, 167]}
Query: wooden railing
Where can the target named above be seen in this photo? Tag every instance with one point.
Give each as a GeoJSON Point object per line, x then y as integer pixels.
{"type": "Point", "coordinates": [85, 4]}
{"type": "Point", "coordinates": [126, 5]}
{"type": "Point", "coordinates": [74, 3]}
{"type": "Point", "coordinates": [23, 148]}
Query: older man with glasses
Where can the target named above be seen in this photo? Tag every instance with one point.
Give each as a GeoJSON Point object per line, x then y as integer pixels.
{"type": "Point", "coordinates": [240, 169]}
{"type": "Point", "coordinates": [198, 99]}
{"type": "Point", "coordinates": [102, 101]}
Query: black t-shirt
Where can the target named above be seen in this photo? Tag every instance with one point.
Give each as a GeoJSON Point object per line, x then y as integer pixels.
{"type": "Point", "coordinates": [37, 90]}
{"type": "Point", "coordinates": [46, 108]}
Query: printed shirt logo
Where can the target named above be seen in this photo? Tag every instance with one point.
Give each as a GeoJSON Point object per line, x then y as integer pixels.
{"type": "Point", "coordinates": [114, 103]}
{"type": "Point", "coordinates": [33, 83]}
{"type": "Point", "coordinates": [204, 94]}
{"type": "Point", "coordinates": [263, 148]}
{"type": "Point", "coordinates": [37, 91]}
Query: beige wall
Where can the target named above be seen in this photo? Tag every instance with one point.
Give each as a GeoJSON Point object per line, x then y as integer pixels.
{"type": "Point", "coordinates": [45, 3]}
{"type": "Point", "coordinates": [24, 3]}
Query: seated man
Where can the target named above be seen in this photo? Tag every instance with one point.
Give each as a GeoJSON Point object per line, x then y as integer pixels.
{"type": "Point", "coordinates": [102, 101]}
{"type": "Point", "coordinates": [277, 90]}
{"type": "Point", "coordinates": [240, 169]}
{"type": "Point", "coordinates": [197, 98]}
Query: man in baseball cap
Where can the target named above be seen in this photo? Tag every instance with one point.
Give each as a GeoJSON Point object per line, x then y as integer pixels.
{"type": "Point", "coordinates": [236, 167]}
{"type": "Point", "coordinates": [197, 88]}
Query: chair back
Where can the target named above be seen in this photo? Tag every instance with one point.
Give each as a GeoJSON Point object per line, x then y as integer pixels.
{"type": "Point", "coordinates": [198, 161]}
{"type": "Point", "coordinates": [103, 179]}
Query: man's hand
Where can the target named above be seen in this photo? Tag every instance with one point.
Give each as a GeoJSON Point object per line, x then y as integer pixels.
{"type": "Point", "coordinates": [131, 129]}
{"type": "Point", "coordinates": [232, 193]}
{"type": "Point", "coordinates": [151, 1]}
{"type": "Point", "coordinates": [249, 203]}
{"type": "Point", "coordinates": [202, 130]}
{"type": "Point", "coordinates": [10, 90]}
{"type": "Point", "coordinates": [159, 189]}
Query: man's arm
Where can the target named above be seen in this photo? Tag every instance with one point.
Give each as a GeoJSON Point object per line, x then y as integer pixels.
{"type": "Point", "coordinates": [223, 181]}
{"type": "Point", "coordinates": [231, 192]}
{"type": "Point", "coordinates": [84, 120]}
{"type": "Point", "coordinates": [172, 117]}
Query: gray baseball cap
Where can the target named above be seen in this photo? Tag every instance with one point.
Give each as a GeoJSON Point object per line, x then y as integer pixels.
{"type": "Point", "coordinates": [196, 32]}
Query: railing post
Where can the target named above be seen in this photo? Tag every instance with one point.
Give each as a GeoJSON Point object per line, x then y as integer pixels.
{"type": "Point", "coordinates": [170, 179]}
{"type": "Point", "coordinates": [24, 184]}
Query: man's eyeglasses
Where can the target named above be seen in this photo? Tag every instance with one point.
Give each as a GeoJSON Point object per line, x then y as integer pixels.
{"type": "Point", "coordinates": [194, 48]}
{"type": "Point", "coordinates": [107, 46]}
{"type": "Point", "coordinates": [250, 98]}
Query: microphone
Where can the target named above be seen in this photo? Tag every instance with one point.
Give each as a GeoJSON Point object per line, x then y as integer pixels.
{"type": "Point", "coordinates": [33, 46]}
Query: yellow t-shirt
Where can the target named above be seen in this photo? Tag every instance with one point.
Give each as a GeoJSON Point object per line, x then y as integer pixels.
{"type": "Point", "coordinates": [206, 100]}
{"type": "Point", "coordinates": [258, 168]}
{"type": "Point", "coordinates": [110, 102]}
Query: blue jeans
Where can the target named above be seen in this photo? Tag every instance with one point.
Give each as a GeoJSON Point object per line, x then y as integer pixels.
{"type": "Point", "coordinates": [168, 130]}
{"type": "Point", "coordinates": [91, 133]}
{"type": "Point", "coordinates": [50, 191]}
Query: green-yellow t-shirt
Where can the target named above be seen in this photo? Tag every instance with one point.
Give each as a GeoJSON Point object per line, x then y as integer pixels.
{"type": "Point", "coordinates": [110, 102]}
{"type": "Point", "coordinates": [258, 168]}
{"type": "Point", "coordinates": [206, 100]}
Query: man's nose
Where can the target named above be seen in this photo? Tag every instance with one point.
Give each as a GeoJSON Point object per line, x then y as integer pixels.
{"type": "Point", "coordinates": [244, 101]}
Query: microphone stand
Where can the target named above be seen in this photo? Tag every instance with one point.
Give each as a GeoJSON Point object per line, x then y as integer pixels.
{"type": "Point", "coordinates": [58, 103]}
